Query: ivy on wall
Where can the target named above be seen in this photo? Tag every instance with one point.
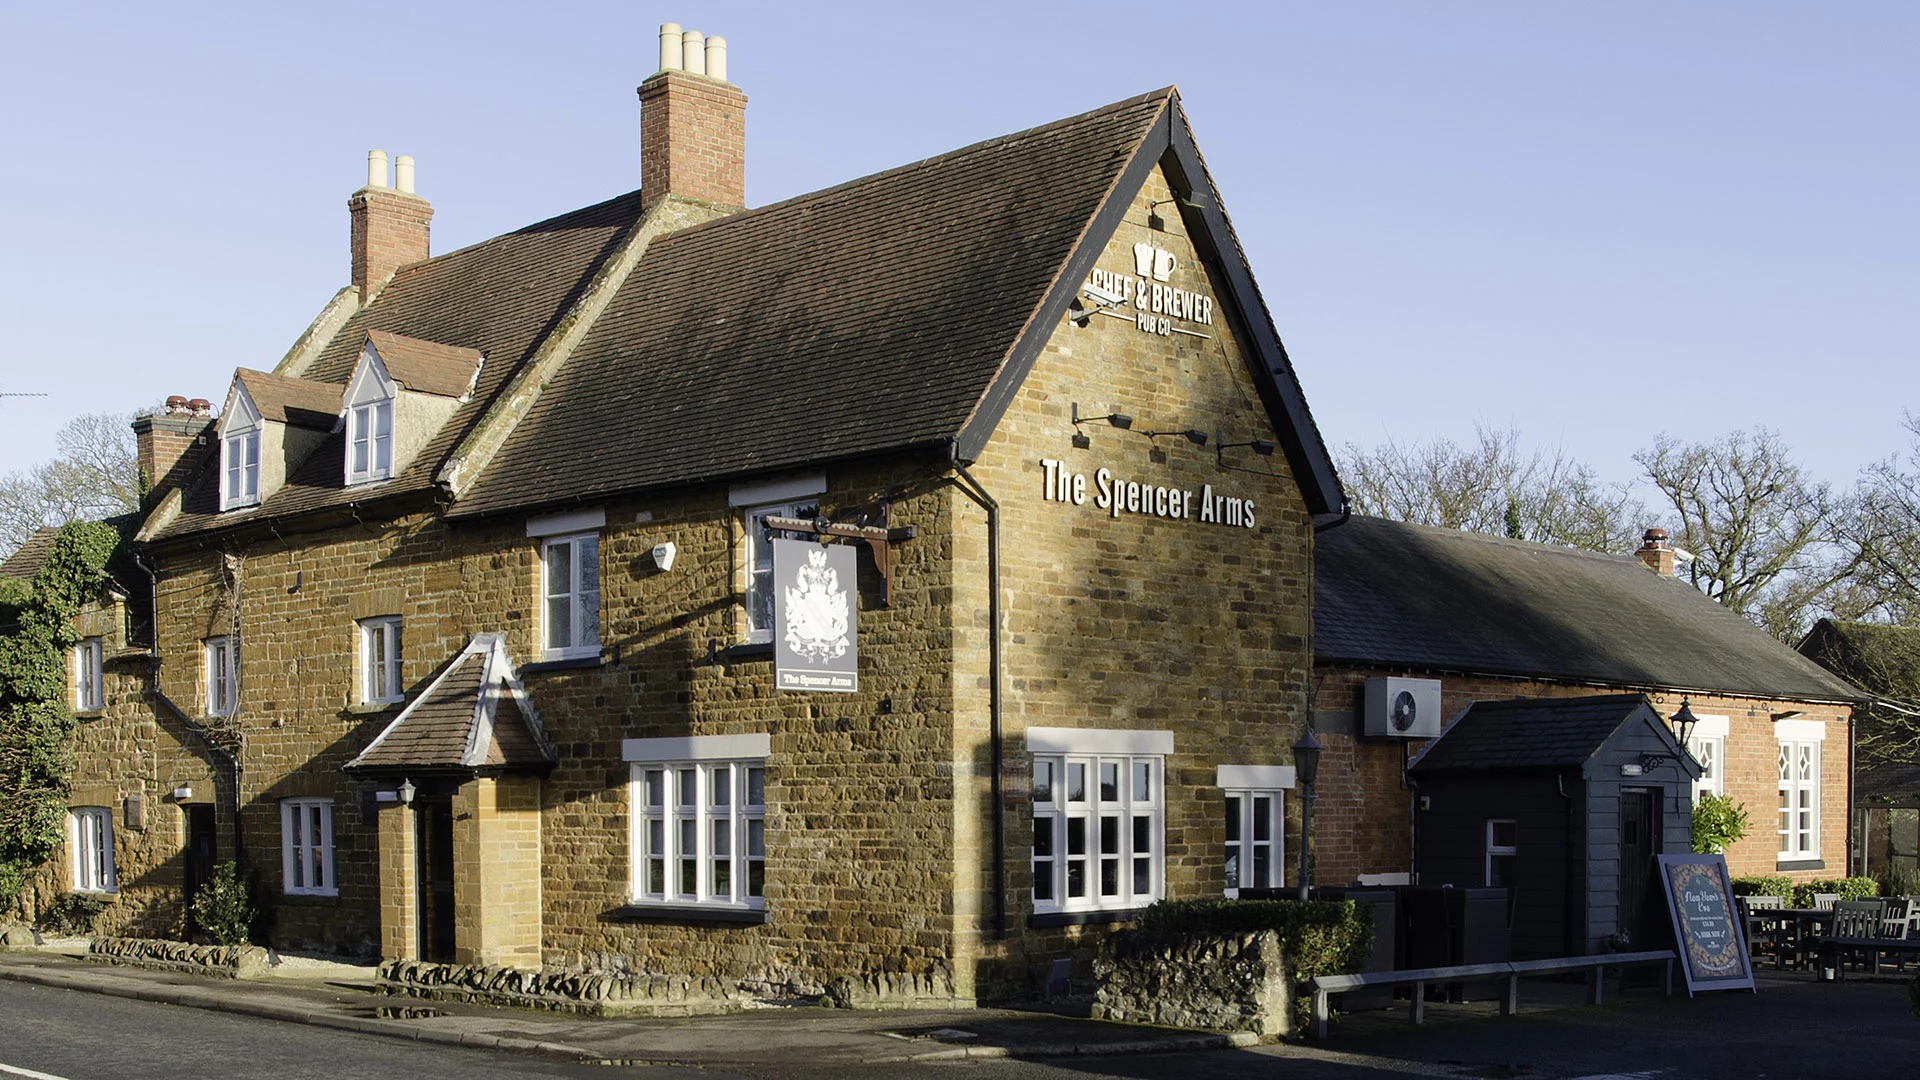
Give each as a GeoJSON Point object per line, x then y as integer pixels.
{"type": "Point", "coordinates": [36, 632]}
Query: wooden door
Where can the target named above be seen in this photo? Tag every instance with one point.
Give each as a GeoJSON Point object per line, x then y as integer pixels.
{"type": "Point", "coordinates": [433, 840]}
{"type": "Point", "coordinates": [1639, 843]}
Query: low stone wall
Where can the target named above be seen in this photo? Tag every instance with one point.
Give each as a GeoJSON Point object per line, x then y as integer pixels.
{"type": "Point", "coordinates": [596, 994]}
{"type": "Point", "coordinates": [1229, 982]}
{"type": "Point", "coordinates": [894, 990]}
{"type": "Point", "coordinates": [225, 961]}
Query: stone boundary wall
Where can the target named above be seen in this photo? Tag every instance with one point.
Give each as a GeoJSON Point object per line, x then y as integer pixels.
{"type": "Point", "coordinates": [224, 961]}
{"type": "Point", "coordinates": [1219, 982]}
{"type": "Point", "coordinates": [594, 994]}
{"type": "Point", "coordinates": [895, 990]}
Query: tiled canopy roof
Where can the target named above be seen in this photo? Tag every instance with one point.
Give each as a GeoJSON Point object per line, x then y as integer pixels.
{"type": "Point", "coordinates": [286, 400]}
{"type": "Point", "coordinates": [1543, 734]}
{"type": "Point", "coordinates": [426, 366]}
{"type": "Point", "coordinates": [473, 715]}
{"type": "Point", "coordinates": [1389, 593]}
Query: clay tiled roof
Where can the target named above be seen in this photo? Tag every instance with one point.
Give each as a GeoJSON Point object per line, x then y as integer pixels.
{"type": "Point", "coordinates": [1389, 593]}
{"type": "Point", "coordinates": [869, 317]}
{"type": "Point", "coordinates": [473, 714]}
{"type": "Point", "coordinates": [285, 400]}
{"type": "Point", "coordinates": [500, 297]}
{"type": "Point", "coordinates": [426, 366]}
{"type": "Point", "coordinates": [26, 562]}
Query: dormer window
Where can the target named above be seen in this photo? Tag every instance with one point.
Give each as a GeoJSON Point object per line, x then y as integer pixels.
{"type": "Point", "coordinates": [270, 424]}
{"type": "Point", "coordinates": [370, 442]}
{"type": "Point", "coordinates": [240, 428]}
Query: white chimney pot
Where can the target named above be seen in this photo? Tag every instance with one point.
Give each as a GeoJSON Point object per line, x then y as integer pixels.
{"type": "Point", "coordinates": [693, 46]}
{"type": "Point", "coordinates": [403, 173]}
{"type": "Point", "coordinates": [670, 46]}
{"type": "Point", "coordinates": [717, 58]}
{"type": "Point", "coordinates": [376, 168]}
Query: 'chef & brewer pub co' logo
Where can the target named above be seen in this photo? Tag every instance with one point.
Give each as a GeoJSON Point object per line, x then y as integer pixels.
{"type": "Point", "coordinates": [1157, 305]}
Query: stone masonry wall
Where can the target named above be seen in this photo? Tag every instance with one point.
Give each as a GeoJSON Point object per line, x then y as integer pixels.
{"type": "Point", "coordinates": [1362, 818]}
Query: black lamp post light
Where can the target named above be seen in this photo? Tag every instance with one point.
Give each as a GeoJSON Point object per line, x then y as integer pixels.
{"type": "Point", "coordinates": [1682, 720]}
{"type": "Point", "coordinates": [1306, 767]}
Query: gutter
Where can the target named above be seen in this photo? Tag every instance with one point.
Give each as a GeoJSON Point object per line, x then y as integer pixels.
{"type": "Point", "coordinates": [973, 489]}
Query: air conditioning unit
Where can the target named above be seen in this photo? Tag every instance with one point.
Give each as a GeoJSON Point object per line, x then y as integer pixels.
{"type": "Point", "coordinates": [1403, 709]}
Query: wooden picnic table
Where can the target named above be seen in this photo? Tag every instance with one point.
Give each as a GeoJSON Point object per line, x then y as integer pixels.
{"type": "Point", "coordinates": [1807, 923]}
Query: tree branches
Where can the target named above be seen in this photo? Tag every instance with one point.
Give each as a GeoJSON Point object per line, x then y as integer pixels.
{"type": "Point", "coordinates": [94, 475]}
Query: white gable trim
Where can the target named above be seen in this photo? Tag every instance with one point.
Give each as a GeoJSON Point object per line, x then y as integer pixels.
{"type": "Point", "coordinates": [240, 414]}
{"type": "Point", "coordinates": [370, 381]}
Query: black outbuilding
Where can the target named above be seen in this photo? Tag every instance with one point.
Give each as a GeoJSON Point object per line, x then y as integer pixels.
{"type": "Point", "coordinates": [1565, 802]}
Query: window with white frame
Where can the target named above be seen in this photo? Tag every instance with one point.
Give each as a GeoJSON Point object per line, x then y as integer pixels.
{"type": "Point", "coordinates": [1799, 771]}
{"type": "Point", "coordinates": [88, 695]}
{"type": "Point", "coordinates": [370, 442]}
{"type": "Point", "coordinates": [90, 839]}
{"type": "Point", "coordinates": [306, 847]}
{"type": "Point", "coordinates": [1503, 852]}
{"type": "Point", "coordinates": [570, 595]}
{"type": "Point", "coordinates": [1098, 818]}
{"type": "Point", "coordinates": [760, 562]}
{"type": "Point", "coordinates": [380, 660]}
{"type": "Point", "coordinates": [1255, 850]}
{"type": "Point", "coordinates": [240, 476]}
{"type": "Point", "coordinates": [699, 821]}
{"type": "Point", "coordinates": [1708, 745]}
{"type": "Point", "coordinates": [222, 675]}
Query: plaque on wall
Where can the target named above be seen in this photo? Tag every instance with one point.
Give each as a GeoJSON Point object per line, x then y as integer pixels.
{"type": "Point", "coordinates": [1706, 923]}
{"type": "Point", "coordinates": [815, 647]}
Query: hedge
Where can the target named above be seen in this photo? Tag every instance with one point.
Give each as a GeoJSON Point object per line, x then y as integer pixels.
{"type": "Point", "coordinates": [1800, 893]}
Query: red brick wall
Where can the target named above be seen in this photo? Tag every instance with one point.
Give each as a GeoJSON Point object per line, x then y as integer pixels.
{"type": "Point", "coordinates": [1361, 819]}
{"type": "Point", "coordinates": [389, 232]}
{"type": "Point", "coordinates": [693, 139]}
{"type": "Point", "coordinates": [166, 444]}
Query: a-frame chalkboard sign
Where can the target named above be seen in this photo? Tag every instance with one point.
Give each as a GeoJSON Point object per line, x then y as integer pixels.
{"type": "Point", "coordinates": [1706, 923]}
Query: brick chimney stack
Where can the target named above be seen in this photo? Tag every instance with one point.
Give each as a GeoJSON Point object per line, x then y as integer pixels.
{"type": "Point", "coordinates": [1656, 552]}
{"type": "Point", "coordinates": [390, 224]}
{"type": "Point", "coordinates": [693, 123]}
{"type": "Point", "coordinates": [165, 444]}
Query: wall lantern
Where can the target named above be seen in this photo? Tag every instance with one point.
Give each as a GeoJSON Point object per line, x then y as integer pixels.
{"type": "Point", "coordinates": [1684, 720]}
{"type": "Point", "coordinates": [1306, 766]}
{"type": "Point", "coordinates": [406, 792]}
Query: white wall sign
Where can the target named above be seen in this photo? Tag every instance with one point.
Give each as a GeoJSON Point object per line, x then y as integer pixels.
{"type": "Point", "coordinates": [814, 617]}
{"type": "Point", "coordinates": [1157, 305]}
{"type": "Point", "coordinates": [1118, 496]}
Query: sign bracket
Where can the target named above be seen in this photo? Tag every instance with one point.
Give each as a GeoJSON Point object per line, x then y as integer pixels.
{"type": "Point", "coordinates": [879, 541]}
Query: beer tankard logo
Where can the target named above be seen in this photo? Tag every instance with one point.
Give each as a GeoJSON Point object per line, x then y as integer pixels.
{"type": "Point", "coordinates": [817, 609]}
{"type": "Point", "coordinates": [1153, 262]}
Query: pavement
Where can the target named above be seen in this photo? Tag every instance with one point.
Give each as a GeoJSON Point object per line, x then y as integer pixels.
{"type": "Point", "coordinates": [341, 996]}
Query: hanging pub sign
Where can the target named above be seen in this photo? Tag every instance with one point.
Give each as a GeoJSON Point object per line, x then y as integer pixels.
{"type": "Point", "coordinates": [814, 643]}
{"type": "Point", "coordinates": [1706, 923]}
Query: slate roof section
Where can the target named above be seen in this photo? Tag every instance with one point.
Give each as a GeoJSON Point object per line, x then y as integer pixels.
{"type": "Point", "coordinates": [426, 366]}
{"type": "Point", "coordinates": [473, 714]}
{"type": "Point", "coordinates": [1393, 594]}
{"type": "Point", "coordinates": [866, 318]}
{"type": "Point", "coordinates": [32, 555]}
{"type": "Point", "coordinates": [1884, 661]}
{"type": "Point", "coordinates": [501, 297]}
{"type": "Point", "coordinates": [1531, 734]}
{"type": "Point", "coordinates": [285, 400]}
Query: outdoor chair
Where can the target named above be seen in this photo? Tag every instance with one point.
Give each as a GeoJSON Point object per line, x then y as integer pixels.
{"type": "Point", "coordinates": [1824, 901]}
{"type": "Point", "coordinates": [1896, 914]}
{"type": "Point", "coordinates": [1775, 936]}
{"type": "Point", "coordinates": [1856, 919]}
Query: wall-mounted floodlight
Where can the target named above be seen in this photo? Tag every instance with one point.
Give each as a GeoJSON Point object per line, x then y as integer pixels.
{"type": "Point", "coordinates": [663, 554]}
{"type": "Point", "coordinates": [1119, 420]}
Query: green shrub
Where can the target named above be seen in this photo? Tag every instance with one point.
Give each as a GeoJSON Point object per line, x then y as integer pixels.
{"type": "Point", "coordinates": [72, 915]}
{"type": "Point", "coordinates": [1318, 937]}
{"type": "Point", "coordinates": [1718, 822]}
{"type": "Point", "coordinates": [1781, 887]}
{"type": "Point", "coordinates": [1897, 882]}
{"type": "Point", "coordinates": [223, 908]}
{"type": "Point", "coordinates": [1852, 888]}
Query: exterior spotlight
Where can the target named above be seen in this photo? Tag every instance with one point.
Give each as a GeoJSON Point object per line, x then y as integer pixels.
{"type": "Point", "coordinates": [1119, 420]}
{"type": "Point", "coordinates": [1192, 435]}
{"type": "Point", "coordinates": [1262, 447]}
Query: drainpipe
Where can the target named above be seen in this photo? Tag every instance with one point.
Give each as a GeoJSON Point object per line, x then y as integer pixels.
{"type": "Point", "coordinates": [974, 490]}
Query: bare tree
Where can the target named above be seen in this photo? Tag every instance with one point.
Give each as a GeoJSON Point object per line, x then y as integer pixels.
{"type": "Point", "coordinates": [95, 474]}
{"type": "Point", "coordinates": [1493, 486]}
{"type": "Point", "coordinates": [1882, 525]}
{"type": "Point", "coordinates": [1758, 528]}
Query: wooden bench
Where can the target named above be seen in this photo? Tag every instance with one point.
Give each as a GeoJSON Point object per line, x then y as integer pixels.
{"type": "Point", "coordinates": [1831, 948]}
{"type": "Point", "coordinates": [1325, 986]}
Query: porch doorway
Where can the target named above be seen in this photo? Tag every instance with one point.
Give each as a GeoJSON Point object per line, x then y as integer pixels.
{"type": "Point", "coordinates": [198, 858]}
{"type": "Point", "coordinates": [1640, 833]}
{"type": "Point", "coordinates": [433, 840]}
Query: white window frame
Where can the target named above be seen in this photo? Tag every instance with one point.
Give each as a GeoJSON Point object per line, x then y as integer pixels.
{"type": "Point", "coordinates": [1708, 745]}
{"type": "Point", "coordinates": [582, 603]}
{"type": "Point", "coordinates": [369, 448]}
{"type": "Point", "coordinates": [699, 822]}
{"type": "Point", "coordinates": [306, 847]}
{"type": "Point", "coordinates": [89, 693]}
{"type": "Point", "coordinates": [1507, 851]}
{"type": "Point", "coordinates": [1135, 803]}
{"type": "Point", "coordinates": [381, 681]}
{"type": "Point", "coordinates": [222, 673]}
{"type": "Point", "coordinates": [240, 468]}
{"type": "Point", "coordinates": [1242, 786]}
{"type": "Point", "coordinates": [759, 550]}
{"type": "Point", "coordinates": [1798, 770]}
{"type": "Point", "coordinates": [90, 839]}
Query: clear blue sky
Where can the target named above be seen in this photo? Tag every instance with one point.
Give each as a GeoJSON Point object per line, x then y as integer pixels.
{"type": "Point", "coordinates": [1596, 222]}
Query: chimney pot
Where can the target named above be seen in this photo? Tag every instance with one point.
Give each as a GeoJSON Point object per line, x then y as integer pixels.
{"type": "Point", "coordinates": [694, 52]}
{"type": "Point", "coordinates": [176, 404]}
{"type": "Point", "coordinates": [376, 168]}
{"type": "Point", "coordinates": [717, 58]}
{"type": "Point", "coordinates": [670, 46]}
{"type": "Point", "coordinates": [403, 174]}
{"type": "Point", "coordinates": [1656, 553]}
{"type": "Point", "coordinates": [200, 406]}
{"type": "Point", "coordinates": [388, 229]}
{"type": "Point", "coordinates": [1656, 537]}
